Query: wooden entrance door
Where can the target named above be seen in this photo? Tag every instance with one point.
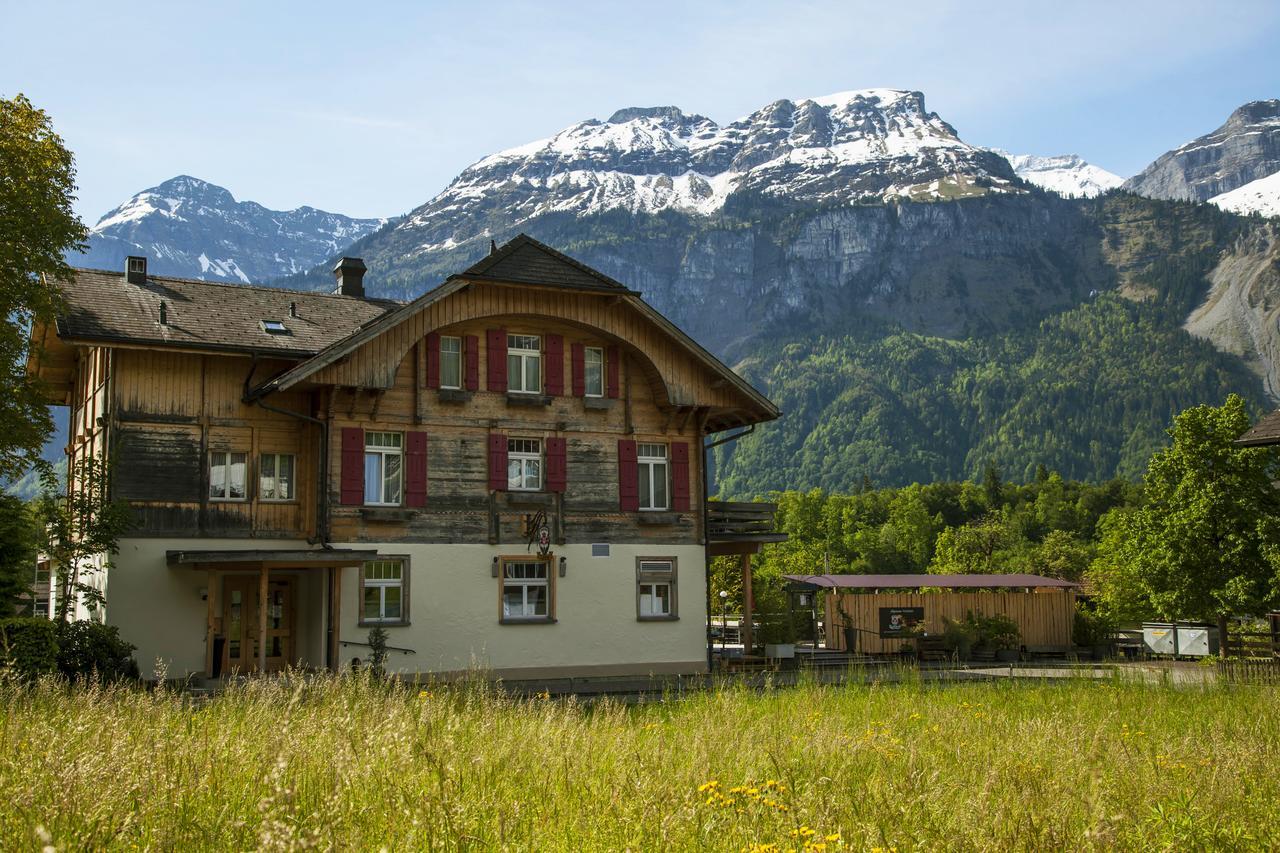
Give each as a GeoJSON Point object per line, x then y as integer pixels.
{"type": "Point", "coordinates": [240, 624]}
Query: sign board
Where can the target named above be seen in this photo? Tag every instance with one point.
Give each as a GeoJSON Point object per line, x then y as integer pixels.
{"type": "Point", "coordinates": [900, 621]}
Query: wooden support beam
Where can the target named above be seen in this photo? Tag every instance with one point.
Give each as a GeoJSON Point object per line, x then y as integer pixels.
{"type": "Point", "coordinates": [335, 616]}
{"type": "Point", "coordinates": [262, 618]}
{"type": "Point", "coordinates": [211, 596]}
{"type": "Point", "coordinates": [377, 401]}
{"type": "Point", "coordinates": [747, 605]}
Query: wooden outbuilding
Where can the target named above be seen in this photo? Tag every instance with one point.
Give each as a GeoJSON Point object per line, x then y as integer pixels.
{"type": "Point", "coordinates": [886, 610]}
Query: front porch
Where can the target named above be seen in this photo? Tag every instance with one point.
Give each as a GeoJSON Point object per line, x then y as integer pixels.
{"type": "Point", "coordinates": [267, 610]}
{"type": "Point", "coordinates": [741, 529]}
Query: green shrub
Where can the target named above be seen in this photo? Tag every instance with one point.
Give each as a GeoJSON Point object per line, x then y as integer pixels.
{"type": "Point", "coordinates": [1090, 628]}
{"type": "Point", "coordinates": [29, 647]}
{"type": "Point", "coordinates": [91, 649]}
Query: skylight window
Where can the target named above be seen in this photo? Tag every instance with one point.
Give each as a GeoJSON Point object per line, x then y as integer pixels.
{"type": "Point", "coordinates": [274, 327]}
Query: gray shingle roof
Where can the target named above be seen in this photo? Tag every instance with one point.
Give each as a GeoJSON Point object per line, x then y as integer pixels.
{"type": "Point", "coordinates": [1265, 432]}
{"type": "Point", "coordinates": [525, 260]}
{"type": "Point", "coordinates": [104, 306]}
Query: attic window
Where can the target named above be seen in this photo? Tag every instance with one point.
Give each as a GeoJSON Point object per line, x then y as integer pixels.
{"type": "Point", "coordinates": [274, 327]}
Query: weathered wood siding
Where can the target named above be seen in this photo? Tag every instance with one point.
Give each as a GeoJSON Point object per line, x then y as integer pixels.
{"type": "Point", "coordinates": [89, 430]}
{"type": "Point", "coordinates": [676, 378]}
{"type": "Point", "coordinates": [1044, 618]}
{"type": "Point", "coordinates": [171, 410]}
{"type": "Point", "coordinates": [459, 506]}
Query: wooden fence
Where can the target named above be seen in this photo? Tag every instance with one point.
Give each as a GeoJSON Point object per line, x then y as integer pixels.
{"type": "Point", "coordinates": [1044, 618]}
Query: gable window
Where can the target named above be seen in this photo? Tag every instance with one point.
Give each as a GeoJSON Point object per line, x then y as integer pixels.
{"type": "Point", "coordinates": [451, 363]}
{"type": "Point", "coordinates": [524, 364]}
{"type": "Point", "coordinates": [227, 475]}
{"type": "Point", "coordinates": [384, 591]}
{"type": "Point", "coordinates": [524, 464]}
{"type": "Point", "coordinates": [275, 477]}
{"type": "Point", "coordinates": [526, 590]}
{"type": "Point", "coordinates": [593, 371]}
{"type": "Point", "coordinates": [656, 588]}
{"type": "Point", "coordinates": [652, 462]}
{"type": "Point", "coordinates": [383, 456]}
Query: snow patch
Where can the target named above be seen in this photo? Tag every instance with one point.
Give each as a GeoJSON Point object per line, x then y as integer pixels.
{"type": "Point", "coordinates": [1261, 196]}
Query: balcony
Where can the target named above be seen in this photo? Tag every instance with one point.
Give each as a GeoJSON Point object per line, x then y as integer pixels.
{"type": "Point", "coordinates": [740, 528]}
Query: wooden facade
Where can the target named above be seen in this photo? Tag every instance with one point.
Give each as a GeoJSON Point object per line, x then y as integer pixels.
{"type": "Point", "coordinates": [166, 401]}
{"type": "Point", "coordinates": [1044, 617]}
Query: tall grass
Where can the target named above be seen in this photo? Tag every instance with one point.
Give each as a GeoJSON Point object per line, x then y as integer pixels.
{"type": "Point", "coordinates": [353, 764]}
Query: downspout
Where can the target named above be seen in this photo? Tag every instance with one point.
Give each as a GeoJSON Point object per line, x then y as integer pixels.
{"type": "Point", "coordinates": [322, 504]}
{"type": "Point", "coordinates": [322, 486]}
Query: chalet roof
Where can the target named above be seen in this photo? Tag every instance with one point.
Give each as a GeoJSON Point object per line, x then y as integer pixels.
{"type": "Point", "coordinates": [941, 581]}
{"type": "Point", "coordinates": [1262, 434]}
{"type": "Point", "coordinates": [522, 255]}
{"type": "Point", "coordinates": [102, 305]}
{"type": "Point", "coordinates": [525, 260]}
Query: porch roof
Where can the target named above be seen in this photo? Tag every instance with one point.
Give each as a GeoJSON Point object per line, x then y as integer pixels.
{"type": "Point", "coordinates": [242, 558]}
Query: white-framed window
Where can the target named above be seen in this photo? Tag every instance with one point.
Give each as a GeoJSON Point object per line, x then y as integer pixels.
{"type": "Point", "coordinates": [524, 464]}
{"type": "Point", "coordinates": [524, 364]}
{"type": "Point", "coordinates": [526, 590]}
{"type": "Point", "coordinates": [593, 371]}
{"type": "Point", "coordinates": [275, 477]}
{"type": "Point", "coordinates": [450, 362]}
{"type": "Point", "coordinates": [384, 595]}
{"type": "Point", "coordinates": [40, 610]}
{"type": "Point", "coordinates": [227, 475]}
{"type": "Point", "coordinates": [652, 461]}
{"type": "Point", "coordinates": [383, 458]}
{"type": "Point", "coordinates": [655, 588]}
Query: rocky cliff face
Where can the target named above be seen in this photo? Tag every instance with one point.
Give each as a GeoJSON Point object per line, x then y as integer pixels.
{"type": "Point", "coordinates": [192, 228]}
{"type": "Point", "coordinates": [1241, 312]}
{"type": "Point", "coordinates": [1244, 149]}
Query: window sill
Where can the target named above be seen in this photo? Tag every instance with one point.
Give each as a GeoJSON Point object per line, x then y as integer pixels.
{"type": "Point", "coordinates": [364, 624]}
{"type": "Point", "coordinates": [505, 621]}
{"type": "Point", "coordinates": [275, 502]}
{"type": "Point", "coordinates": [520, 398]}
{"type": "Point", "coordinates": [657, 618]}
{"type": "Point", "coordinates": [528, 498]}
{"type": "Point", "coordinates": [386, 513]}
{"type": "Point", "coordinates": [598, 404]}
{"type": "Point", "coordinates": [228, 500]}
{"type": "Point", "coordinates": [453, 395]}
{"type": "Point", "coordinates": [658, 518]}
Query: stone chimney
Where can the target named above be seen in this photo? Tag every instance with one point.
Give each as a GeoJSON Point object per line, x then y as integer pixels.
{"type": "Point", "coordinates": [135, 269]}
{"type": "Point", "coordinates": [350, 275]}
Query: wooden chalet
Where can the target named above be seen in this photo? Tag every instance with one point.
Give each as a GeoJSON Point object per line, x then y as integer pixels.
{"type": "Point", "coordinates": [507, 472]}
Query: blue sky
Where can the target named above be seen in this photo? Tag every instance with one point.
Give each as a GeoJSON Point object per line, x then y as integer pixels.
{"type": "Point", "coordinates": [370, 109]}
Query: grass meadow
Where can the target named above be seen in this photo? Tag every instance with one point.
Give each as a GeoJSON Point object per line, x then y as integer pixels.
{"type": "Point", "coordinates": [352, 764]}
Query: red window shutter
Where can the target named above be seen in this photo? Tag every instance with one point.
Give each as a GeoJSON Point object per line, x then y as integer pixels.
{"type": "Point", "coordinates": [557, 469]}
{"type": "Point", "coordinates": [433, 360]}
{"type": "Point", "coordinates": [680, 476]}
{"type": "Point", "coordinates": [497, 462]}
{"type": "Point", "coordinates": [553, 356]}
{"type": "Point", "coordinates": [578, 364]}
{"type": "Point", "coordinates": [628, 476]}
{"type": "Point", "coordinates": [496, 350]}
{"type": "Point", "coordinates": [352, 466]}
{"type": "Point", "coordinates": [472, 359]}
{"type": "Point", "coordinates": [612, 360]}
{"type": "Point", "coordinates": [415, 469]}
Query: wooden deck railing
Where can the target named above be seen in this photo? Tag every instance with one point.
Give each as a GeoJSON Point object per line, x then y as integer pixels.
{"type": "Point", "coordinates": [742, 522]}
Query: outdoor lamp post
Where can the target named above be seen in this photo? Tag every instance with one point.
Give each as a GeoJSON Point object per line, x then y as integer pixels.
{"type": "Point", "coordinates": [724, 623]}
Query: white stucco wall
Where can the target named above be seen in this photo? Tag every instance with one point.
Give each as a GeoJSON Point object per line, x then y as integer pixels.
{"type": "Point", "coordinates": [453, 611]}
{"type": "Point", "coordinates": [454, 614]}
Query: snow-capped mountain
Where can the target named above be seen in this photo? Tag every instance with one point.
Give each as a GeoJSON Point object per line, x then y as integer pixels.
{"type": "Point", "coordinates": [859, 146]}
{"type": "Point", "coordinates": [1261, 196]}
{"type": "Point", "coordinates": [1064, 174]}
{"type": "Point", "coordinates": [1244, 149]}
{"type": "Point", "coordinates": [189, 227]}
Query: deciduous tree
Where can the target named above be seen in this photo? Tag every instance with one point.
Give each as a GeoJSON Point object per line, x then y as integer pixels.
{"type": "Point", "coordinates": [37, 227]}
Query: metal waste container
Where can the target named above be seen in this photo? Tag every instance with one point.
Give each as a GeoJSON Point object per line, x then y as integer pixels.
{"type": "Point", "coordinates": [1180, 639]}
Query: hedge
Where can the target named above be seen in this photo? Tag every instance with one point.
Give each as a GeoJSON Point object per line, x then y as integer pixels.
{"type": "Point", "coordinates": [29, 647]}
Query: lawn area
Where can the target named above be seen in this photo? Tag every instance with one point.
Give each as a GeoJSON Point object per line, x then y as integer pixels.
{"type": "Point", "coordinates": [346, 764]}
